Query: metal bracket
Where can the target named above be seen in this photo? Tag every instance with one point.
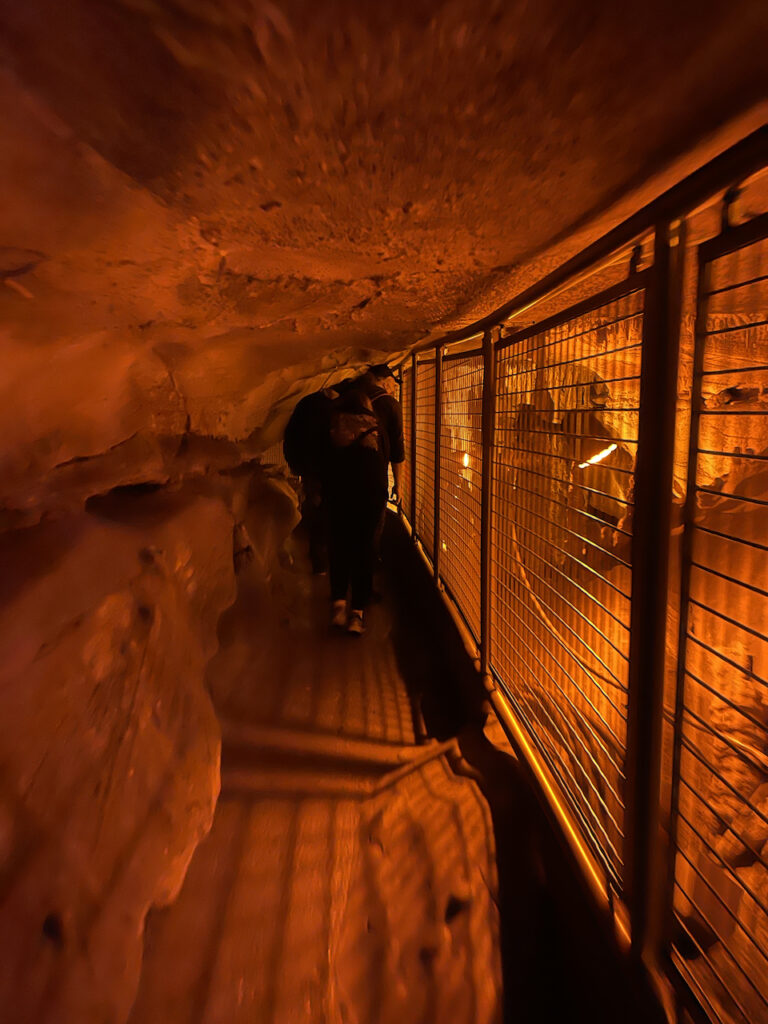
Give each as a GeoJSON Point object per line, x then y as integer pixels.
{"type": "Point", "coordinates": [635, 259]}
{"type": "Point", "coordinates": [729, 201]}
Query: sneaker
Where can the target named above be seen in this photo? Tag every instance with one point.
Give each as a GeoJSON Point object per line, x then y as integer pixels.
{"type": "Point", "coordinates": [355, 624]}
{"type": "Point", "coordinates": [339, 614]}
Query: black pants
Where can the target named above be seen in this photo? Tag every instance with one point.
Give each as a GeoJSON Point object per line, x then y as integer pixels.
{"type": "Point", "coordinates": [353, 527]}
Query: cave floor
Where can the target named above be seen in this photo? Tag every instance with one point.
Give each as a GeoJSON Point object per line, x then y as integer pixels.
{"type": "Point", "coordinates": [350, 874]}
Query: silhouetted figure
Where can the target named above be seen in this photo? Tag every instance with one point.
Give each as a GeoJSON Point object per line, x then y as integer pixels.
{"type": "Point", "coordinates": [365, 434]}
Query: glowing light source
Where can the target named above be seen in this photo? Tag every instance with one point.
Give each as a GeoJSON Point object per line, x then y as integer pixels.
{"type": "Point", "coordinates": [444, 546]}
{"type": "Point", "coordinates": [599, 457]}
{"type": "Point", "coordinates": [465, 460]}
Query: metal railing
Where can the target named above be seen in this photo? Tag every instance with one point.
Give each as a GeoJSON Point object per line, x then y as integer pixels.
{"type": "Point", "coordinates": [461, 464]}
{"type": "Point", "coordinates": [565, 450]}
{"type": "Point", "coordinates": [720, 800]}
{"type": "Point", "coordinates": [621, 631]}
{"type": "Point", "coordinates": [424, 449]}
{"type": "Point", "coordinates": [406, 401]}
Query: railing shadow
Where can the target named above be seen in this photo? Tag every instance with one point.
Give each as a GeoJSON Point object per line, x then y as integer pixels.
{"type": "Point", "coordinates": [558, 963]}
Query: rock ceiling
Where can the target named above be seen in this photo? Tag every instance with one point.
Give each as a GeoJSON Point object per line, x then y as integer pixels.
{"type": "Point", "coordinates": [340, 171]}
{"type": "Point", "coordinates": [207, 198]}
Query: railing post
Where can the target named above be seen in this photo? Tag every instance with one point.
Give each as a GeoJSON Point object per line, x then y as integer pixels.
{"type": "Point", "coordinates": [650, 555]}
{"type": "Point", "coordinates": [686, 554]}
{"type": "Point", "coordinates": [413, 444]}
{"type": "Point", "coordinates": [438, 428]}
{"type": "Point", "coordinates": [486, 498]}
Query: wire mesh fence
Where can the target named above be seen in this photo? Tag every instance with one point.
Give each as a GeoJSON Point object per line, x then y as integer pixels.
{"type": "Point", "coordinates": [566, 439]}
{"type": "Point", "coordinates": [406, 404]}
{"type": "Point", "coordinates": [424, 451]}
{"type": "Point", "coordinates": [721, 868]}
{"type": "Point", "coordinates": [461, 451]}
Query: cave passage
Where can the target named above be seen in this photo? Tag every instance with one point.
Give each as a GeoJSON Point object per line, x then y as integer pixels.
{"type": "Point", "coordinates": [352, 869]}
{"type": "Point", "coordinates": [537, 788]}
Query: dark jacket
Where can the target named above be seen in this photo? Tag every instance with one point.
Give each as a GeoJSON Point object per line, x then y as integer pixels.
{"type": "Point", "coordinates": [390, 415]}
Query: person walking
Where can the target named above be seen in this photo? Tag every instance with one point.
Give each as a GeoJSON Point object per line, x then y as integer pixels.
{"type": "Point", "coordinates": [365, 433]}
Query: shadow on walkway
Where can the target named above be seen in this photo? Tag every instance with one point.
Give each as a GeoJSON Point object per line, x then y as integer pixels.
{"type": "Point", "coordinates": [558, 964]}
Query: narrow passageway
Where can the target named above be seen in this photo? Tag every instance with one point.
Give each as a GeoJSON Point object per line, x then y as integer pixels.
{"type": "Point", "coordinates": [350, 872]}
{"type": "Point", "coordinates": [536, 789]}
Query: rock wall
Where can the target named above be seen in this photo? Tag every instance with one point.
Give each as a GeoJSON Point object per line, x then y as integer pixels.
{"type": "Point", "coordinates": [109, 745]}
{"type": "Point", "coordinates": [127, 487]}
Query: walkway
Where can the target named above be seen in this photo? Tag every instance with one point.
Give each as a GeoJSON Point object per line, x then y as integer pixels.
{"type": "Point", "coordinates": [350, 873]}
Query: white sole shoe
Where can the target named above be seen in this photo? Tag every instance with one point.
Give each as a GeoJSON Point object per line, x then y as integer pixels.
{"type": "Point", "coordinates": [355, 625]}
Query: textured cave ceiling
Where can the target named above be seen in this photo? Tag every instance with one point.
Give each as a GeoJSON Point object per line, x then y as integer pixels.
{"type": "Point", "coordinates": [309, 176]}
{"type": "Point", "coordinates": [208, 206]}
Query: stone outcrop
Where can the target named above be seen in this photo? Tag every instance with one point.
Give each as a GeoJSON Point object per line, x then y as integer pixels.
{"type": "Point", "coordinates": [108, 742]}
{"type": "Point", "coordinates": [109, 745]}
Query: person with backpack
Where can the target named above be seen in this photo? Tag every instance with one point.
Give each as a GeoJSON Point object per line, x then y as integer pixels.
{"type": "Point", "coordinates": [363, 441]}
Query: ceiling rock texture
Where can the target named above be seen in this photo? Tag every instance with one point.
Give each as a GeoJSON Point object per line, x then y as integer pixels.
{"type": "Point", "coordinates": [203, 199]}
{"type": "Point", "coordinates": [205, 207]}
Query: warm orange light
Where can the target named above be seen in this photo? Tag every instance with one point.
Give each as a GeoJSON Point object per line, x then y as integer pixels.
{"type": "Point", "coordinates": [501, 703]}
{"type": "Point", "coordinates": [465, 460]}
{"type": "Point", "coordinates": [599, 457]}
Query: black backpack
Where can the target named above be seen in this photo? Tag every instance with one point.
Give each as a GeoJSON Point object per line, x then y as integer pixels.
{"type": "Point", "coordinates": [353, 426]}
